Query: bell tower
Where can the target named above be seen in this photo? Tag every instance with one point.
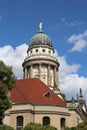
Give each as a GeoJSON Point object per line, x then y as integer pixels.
{"type": "Point", "coordinates": [41, 61]}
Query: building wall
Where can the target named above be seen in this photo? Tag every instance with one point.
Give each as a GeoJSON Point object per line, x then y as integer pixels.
{"type": "Point", "coordinates": [40, 51]}
{"type": "Point", "coordinates": [35, 114]}
{"type": "Point", "coordinates": [75, 118]}
{"type": "Point", "coordinates": [55, 120]}
{"type": "Point", "coordinates": [27, 117]}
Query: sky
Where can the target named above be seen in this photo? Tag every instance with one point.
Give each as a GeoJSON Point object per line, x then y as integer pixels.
{"type": "Point", "coordinates": [64, 21]}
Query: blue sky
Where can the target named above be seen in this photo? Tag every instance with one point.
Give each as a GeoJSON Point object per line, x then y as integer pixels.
{"type": "Point", "coordinates": [65, 21]}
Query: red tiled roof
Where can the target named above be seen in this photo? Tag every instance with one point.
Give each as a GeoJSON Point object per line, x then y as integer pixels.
{"type": "Point", "coordinates": [33, 91]}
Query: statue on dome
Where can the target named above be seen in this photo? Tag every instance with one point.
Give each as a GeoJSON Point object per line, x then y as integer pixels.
{"type": "Point", "coordinates": [40, 26]}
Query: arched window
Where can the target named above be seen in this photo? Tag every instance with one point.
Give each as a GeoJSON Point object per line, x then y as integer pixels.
{"type": "Point", "coordinates": [19, 123]}
{"type": "Point", "coordinates": [44, 79]}
{"type": "Point", "coordinates": [46, 120]}
{"type": "Point", "coordinates": [63, 123]}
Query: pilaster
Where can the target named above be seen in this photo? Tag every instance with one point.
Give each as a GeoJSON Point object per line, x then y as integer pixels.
{"type": "Point", "coordinates": [39, 70]}
{"type": "Point", "coordinates": [25, 72]}
{"type": "Point", "coordinates": [48, 77]}
{"type": "Point", "coordinates": [31, 71]}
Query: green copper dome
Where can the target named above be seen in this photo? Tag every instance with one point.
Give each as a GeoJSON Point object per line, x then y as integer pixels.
{"type": "Point", "coordinates": [40, 38]}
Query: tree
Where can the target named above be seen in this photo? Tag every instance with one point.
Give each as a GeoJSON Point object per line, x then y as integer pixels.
{"type": "Point", "coordinates": [6, 127]}
{"type": "Point", "coordinates": [72, 128]}
{"type": "Point", "coordinates": [38, 126]}
{"type": "Point", "coordinates": [7, 81]}
{"type": "Point", "coordinates": [82, 126]}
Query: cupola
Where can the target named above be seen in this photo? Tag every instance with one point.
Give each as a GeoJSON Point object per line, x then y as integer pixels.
{"type": "Point", "coordinates": [40, 38]}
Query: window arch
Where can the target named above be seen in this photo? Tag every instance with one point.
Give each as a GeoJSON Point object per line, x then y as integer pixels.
{"type": "Point", "coordinates": [46, 120]}
{"type": "Point", "coordinates": [63, 123]}
{"type": "Point", "coordinates": [44, 79]}
{"type": "Point", "coordinates": [19, 120]}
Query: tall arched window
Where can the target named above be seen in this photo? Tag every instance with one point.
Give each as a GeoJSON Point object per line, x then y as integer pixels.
{"type": "Point", "coordinates": [44, 79]}
{"type": "Point", "coordinates": [19, 123]}
{"type": "Point", "coordinates": [46, 120]}
{"type": "Point", "coordinates": [51, 81]}
{"type": "Point", "coordinates": [63, 123]}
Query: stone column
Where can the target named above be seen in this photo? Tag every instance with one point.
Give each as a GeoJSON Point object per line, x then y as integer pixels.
{"type": "Point", "coordinates": [25, 72]}
{"type": "Point", "coordinates": [31, 71]}
{"type": "Point", "coordinates": [48, 76]}
{"type": "Point", "coordinates": [40, 71]}
{"type": "Point", "coordinates": [28, 71]}
{"type": "Point", "coordinates": [55, 77]}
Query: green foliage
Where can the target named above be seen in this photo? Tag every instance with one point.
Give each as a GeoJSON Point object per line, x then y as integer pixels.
{"type": "Point", "coordinates": [4, 102]}
{"type": "Point", "coordinates": [73, 128]}
{"type": "Point", "coordinates": [82, 126]}
{"type": "Point", "coordinates": [67, 128]}
{"type": "Point", "coordinates": [32, 126]}
{"type": "Point", "coordinates": [7, 81]}
{"type": "Point", "coordinates": [5, 127]}
{"type": "Point", "coordinates": [7, 77]}
{"type": "Point", "coordinates": [36, 126]}
{"type": "Point", "coordinates": [48, 127]}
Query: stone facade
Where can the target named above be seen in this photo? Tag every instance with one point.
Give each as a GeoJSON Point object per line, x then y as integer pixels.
{"type": "Point", "coordinates": [34, 114]}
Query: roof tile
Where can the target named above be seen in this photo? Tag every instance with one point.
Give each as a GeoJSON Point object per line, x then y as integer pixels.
{"type": "Point", "coordinates": [34, 91]}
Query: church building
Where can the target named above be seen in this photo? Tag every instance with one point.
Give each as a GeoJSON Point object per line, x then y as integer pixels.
{"type": "Point", "coordinates": [37, 98]}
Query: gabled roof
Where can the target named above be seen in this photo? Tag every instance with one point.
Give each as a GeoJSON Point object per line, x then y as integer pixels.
{"type": "Point", "coordinates": [34, 91]}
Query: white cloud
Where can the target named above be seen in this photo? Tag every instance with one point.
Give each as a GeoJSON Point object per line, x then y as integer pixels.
{"type": "Point", "coordinates": [71, 84]}
{"type": "Point", "coordinates": [14, 57]}
{"type": "Point", "coordinates": [75, 38]}
{"type": "Point", "coordinates": [79, 41]}
{"type": "Point", "coordinates": [71, 23]}
{"type": "Point", "coordinates": [79, 45]}
{"type": "Point", "coordinates": [70, 81]}
{"type": "Point", "coordinates": [66, 68]}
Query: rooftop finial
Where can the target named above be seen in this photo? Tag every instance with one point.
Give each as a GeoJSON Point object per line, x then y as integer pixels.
{"type": "Point", "coordinates": [40, 26]}
{"type": "Point", "coordinates": [81, 92]}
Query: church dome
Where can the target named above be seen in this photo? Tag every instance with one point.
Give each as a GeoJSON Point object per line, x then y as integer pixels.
{"type": "Point", "coordinates": [40, 38]}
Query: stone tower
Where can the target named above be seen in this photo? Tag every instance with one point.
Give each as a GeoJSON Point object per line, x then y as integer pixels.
{"type": "Point", "coordinates": [41, 61]}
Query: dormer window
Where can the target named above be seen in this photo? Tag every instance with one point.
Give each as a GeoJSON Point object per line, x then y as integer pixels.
{"type": "Point", "coordinates": [47, 94]}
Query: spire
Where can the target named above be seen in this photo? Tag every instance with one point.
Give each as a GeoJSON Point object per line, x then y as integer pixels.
{"type": "Point", "coordinates": [40, 26]}
{"type": "Point", "coordinates": [77, 97]}
{"type": "Point", "coordinates": [81, 92]}
{"type": "Point", "coordinates": [80, 96]}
